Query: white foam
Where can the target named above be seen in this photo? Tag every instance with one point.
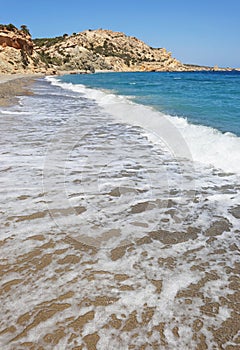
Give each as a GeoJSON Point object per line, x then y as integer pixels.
{"type": "Point", "coordinates": [184, 140]}
{"type": "Point", "coordinates": [14, 112]}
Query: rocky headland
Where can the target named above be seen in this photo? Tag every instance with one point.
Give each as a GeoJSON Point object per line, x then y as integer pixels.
{"type": "Point", "coordinates": [86, 51]}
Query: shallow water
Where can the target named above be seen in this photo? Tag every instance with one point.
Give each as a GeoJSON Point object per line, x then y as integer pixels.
{"type": "Point", "coordinates": [203, 106]}
{"type": "Point", "coordinates": [202, 98]}
{"type": "Point", "coordinates": [111, 236]}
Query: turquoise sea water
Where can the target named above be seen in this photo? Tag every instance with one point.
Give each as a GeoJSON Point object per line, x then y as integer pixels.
{"type": "Point", "coordinates": [205, 98]}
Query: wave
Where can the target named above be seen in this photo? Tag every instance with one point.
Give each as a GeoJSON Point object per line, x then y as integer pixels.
{"type": "Point", "coordinates": [182, 139]}
{"type": "Point", "coordinates": [14, 112]}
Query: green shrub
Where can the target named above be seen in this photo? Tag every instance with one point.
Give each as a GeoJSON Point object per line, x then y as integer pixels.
{"type": "Point", "coordinates": [25, 29]}
{"type": "Point", "coordinates": [9, 27]}
{"type": "Point", "coordinates": [25, 60]}
{"type": "Point", "coordinates": [47, 41]}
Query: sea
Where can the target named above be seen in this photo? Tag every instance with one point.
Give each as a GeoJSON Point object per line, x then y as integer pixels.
{"type": "Point", "coordinates": [120, 208]}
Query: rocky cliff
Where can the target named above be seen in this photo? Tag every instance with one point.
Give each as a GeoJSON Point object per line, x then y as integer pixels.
{"type": "Point", "coordinates": [17, 54]}
{"type": "Point", "coordinates": [86, 51]}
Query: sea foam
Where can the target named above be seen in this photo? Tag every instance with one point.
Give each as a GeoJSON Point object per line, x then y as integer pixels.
{"type": "Point", "coordinates": [181, 265]}
{"type": "Point", "coordinates": [183, 140]}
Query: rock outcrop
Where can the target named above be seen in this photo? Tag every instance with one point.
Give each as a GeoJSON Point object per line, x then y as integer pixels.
{"type": "Point", "coordinates": [16, 39]}
{"type": "Point", "coordinates": [17, 54]}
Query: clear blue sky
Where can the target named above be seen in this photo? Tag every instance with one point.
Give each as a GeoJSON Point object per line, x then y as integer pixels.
{"type": "Point", "coordinates": [195, 31]}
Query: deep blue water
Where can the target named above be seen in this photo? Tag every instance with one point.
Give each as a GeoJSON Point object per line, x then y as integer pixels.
{"type": "Point", "coordinates": [206, 98]}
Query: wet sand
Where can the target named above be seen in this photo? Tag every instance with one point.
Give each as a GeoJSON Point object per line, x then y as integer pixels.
{"type": "Point", "coordinates": [165, 290]}
{"type": "Point", "coordinates": [15, 85]}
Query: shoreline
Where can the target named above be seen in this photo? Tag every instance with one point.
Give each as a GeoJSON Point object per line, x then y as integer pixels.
{"type": "Point", "coordinates": [72, 290]}
{"type": "Point", "coordinates": [14, 85]}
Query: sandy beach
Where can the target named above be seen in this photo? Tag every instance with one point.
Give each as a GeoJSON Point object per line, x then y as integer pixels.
{"type": "Point", "coordinates": [13, 85]}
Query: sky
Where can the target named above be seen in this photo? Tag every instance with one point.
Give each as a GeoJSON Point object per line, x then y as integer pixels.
{"type": "Point", "coordinates": [204, 32]}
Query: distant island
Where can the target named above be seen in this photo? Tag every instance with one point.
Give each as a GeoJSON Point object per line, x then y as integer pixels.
{"type": "Point", "coordinates": [88, 51]}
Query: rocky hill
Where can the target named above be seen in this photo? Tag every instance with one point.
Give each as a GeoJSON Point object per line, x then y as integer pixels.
{"type": "Point", "coordinates": [105, 49]}
{"type": "Point", "coordinates": [86, 51]}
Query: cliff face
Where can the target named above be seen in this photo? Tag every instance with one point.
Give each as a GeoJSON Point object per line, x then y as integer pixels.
{"type": "Point", "coordinates": [17, 54]}
{"type": "Point", "coordinates": [16, 38]}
